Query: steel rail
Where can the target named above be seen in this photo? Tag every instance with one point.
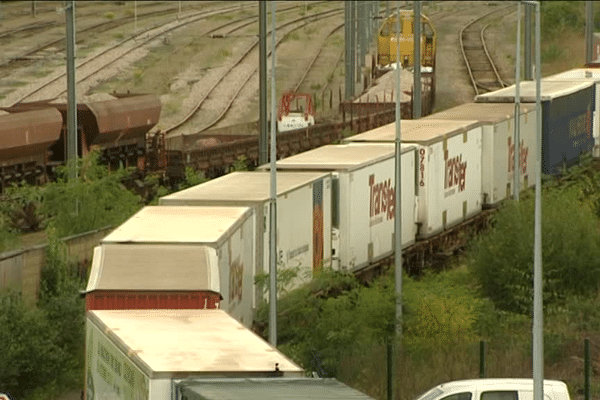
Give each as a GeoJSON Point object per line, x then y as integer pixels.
{"type": "Point", "coordinates": [99, 27]}
{"type": "Point", "coordinates": [487, 53]}
{"type": "Point", "coordinates": [312, 62]}
{"type": "Point", "coordinates": [238, 61]}
{"type": "Point", "coordinates": [233, 98]}
{"type": "Point", "coordinates": [462, 38]}
{"type": "Point", "coordinates": [186, 20]}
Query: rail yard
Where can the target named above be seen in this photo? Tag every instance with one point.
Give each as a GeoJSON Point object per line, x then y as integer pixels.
{"type": "Point", "coordinates": [162, 86]}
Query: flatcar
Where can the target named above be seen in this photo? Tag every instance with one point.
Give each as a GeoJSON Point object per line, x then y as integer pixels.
{"type": "Point", "coordinates": [387, 42]}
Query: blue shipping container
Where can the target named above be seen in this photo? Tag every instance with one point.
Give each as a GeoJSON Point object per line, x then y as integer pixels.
{"type": "Point", "coordinates": [567, 118]}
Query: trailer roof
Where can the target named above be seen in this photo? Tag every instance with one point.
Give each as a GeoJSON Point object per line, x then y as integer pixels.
{"type": "Point", "coordinates": [577, 74]}
{"type": "Point", "coordinates": [241, 188]}
{"type": "Point", "coordinates": [164, 343]}
{"type": "Point", "coordinates": [152, 267]}
{"type": "Point", "coordinates": [422, 131]}
{"type": "Point", "coordinates": [341, 157]}
{"type": "Point", "coordinates": [484, 112]}
{"type": "Point", "coordinates": [270, 388]}
{"type": "Point", "coordinates": [550, 89]}
{"type": "Point", "coordinates": [180, 224]}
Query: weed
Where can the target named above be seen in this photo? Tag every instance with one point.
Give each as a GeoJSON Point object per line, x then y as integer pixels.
{"type": "Point", "coordinates": [292, 36]}
{"type": "Point", "coordinates": [220, 17]}
{"type": "Point", "coordinates": [551, 53]}
{"type": "Point", "coordinates": [171, 108]}
{"type": "Point", "coordinates": [138, 75]}
{"type": "Point", "coordinates": [109, 15]}
{"type": "Point", "coordinates": [15, 83]}
{"type": "Point", "coordinates": [41, 73]}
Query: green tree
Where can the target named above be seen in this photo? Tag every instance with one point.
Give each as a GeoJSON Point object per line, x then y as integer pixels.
{"type": "Point", "coordinates": [502, 259]}
{"type": "Point", "coordinates": [556, 16]}
{"type": "Point", "coordinates": [95, 199]}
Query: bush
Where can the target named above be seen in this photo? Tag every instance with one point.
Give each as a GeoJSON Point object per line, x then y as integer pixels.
{"type": "Point", "coordinates": [502, 259]}
{"type": "Point", "coordinates": [8, 237]}
{"type": "Point", "coordinates": [42, 347]}
{"type": "Point", "coordinates": [556, 16]}
{"type": "Point", "coordinates": [317, 322]}
{"type": "Point", "coordinates": [439, 312]}
{"type": "Point", "coordinates": [29, 356]}
{"type": "Point", "coordinates": [95, 200]}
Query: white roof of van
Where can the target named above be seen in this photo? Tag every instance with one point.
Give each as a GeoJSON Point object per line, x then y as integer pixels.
{"type": "Point", "coordinates": [181, 224]}
{"type": "Point", "coordinates": [242, 188]}
{"type": "Point", "coordinates": [187, 343]}
{"type": "Point", "coordinates": [490, 384]}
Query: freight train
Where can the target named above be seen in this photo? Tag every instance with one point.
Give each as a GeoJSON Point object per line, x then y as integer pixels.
{"type": "Point", "coordinates": [34, 136]}
{"type": "Point", "coordinates": [205, 246]}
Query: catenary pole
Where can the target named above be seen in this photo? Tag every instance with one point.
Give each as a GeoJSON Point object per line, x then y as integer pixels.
{"type": "Point", "coordinates": [396, 336]}
{"type": "Point", "coordinates": [417, 60]}
{"type": "Point", "coordinates": [517, 135]}
{"type": "Point", "coordinates": [528, 35]}
{"type": "Point", "coordinates": [71, 92]}
{"type": "Point", "coordinates": [263, 141]}
{"type": "Point", "coordinates": [273, 197]}
{"type": "Point", "coordinates": [348, 49]}
{"type": "Point", "coordinates": [538, 310]}
{"type": "Point", "coordinates": [589, 31]}
{"type": "Point", "coordinates": [398, 191]}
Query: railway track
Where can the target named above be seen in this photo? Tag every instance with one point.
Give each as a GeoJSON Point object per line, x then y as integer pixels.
{"type": "Point", "coordinates": [312, 65]}
{"type": "Point", "coordinates": [85, 32]}
{"type": "Point", "coordinates": [480, 65]}
{"type": "Point", "coordinates": [86, 70]}
{"type": "Point", "coordinates": [232, 81]}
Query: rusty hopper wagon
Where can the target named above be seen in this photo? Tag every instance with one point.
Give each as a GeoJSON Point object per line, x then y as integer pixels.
{"type": "Point", "coordinates": [25, 140]}
{"type": "Point", "coordinates": [33, 135]}
{"type": "Point", "coordinates": [177, 257]}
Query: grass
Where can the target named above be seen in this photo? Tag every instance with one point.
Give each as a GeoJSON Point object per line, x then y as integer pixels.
{"type": "Point", "coordinates": [40, 73]}
{"type": "Point", "coordinates": [138, 76]}
{"type": "Point", "coordinates": [220, 17]}
{"type": "Point", "coordinates": [292, 36]}
{"type": "Point", "coordinates": [172, 107]}
{"type": "Point", "coordinates": [15, 83]}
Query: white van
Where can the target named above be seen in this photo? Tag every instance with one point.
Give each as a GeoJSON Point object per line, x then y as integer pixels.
{"type": "Point", "coordinates": [495, 389]}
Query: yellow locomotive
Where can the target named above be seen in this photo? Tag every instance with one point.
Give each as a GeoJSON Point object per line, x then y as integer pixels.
{"type": "Point", "coordinates": [386, 42]}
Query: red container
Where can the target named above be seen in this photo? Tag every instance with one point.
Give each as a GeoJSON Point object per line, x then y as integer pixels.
{"type": "Point", "coordinates": [147, 300]}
